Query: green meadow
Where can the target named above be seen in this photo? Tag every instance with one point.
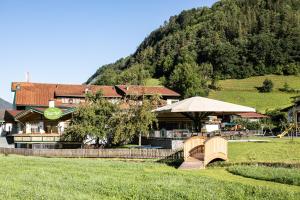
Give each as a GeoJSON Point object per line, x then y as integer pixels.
{"type": "Point", "coordinates": [276, 150]}
{"type": "Point", "coordinates": [69, 178]}
{"type": "Point", "coordinates": [244, 92]}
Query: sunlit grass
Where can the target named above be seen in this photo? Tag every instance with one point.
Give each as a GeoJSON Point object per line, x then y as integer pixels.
{"type": "Point", "coordinates": [280, 175]}
{"type": "Point", "coordinates": [59, 178]}
{"type": "Point", "coordinates": [243, 92]}
{"type": "Point", "coordinates": [277, 150]}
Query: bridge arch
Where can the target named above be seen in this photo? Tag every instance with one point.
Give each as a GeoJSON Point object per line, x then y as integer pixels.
{"type": "Point", "coordinates": [199, 148]}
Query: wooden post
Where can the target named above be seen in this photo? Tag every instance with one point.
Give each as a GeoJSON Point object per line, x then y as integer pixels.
{"type": "Point", "coordinates": [140, 139]}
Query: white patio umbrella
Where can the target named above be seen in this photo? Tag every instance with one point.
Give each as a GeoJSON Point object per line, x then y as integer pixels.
{"type": "Point", "coordinates": [196, 108]}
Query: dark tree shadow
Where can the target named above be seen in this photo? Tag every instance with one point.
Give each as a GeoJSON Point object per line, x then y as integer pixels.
{"type": "Point", "coordinates": [174, 160]}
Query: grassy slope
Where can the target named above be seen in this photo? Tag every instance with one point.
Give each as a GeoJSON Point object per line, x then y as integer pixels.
{"type": "Point", "coordinates": [280, 175]}
{"type": "Point", "coordinates": [244, 92]}
{"type": "Point", "coordinates": [54, 178]}
{"type": "Point", "coordinates": [152, 82]}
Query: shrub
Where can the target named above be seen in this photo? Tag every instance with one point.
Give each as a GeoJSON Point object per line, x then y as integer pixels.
{"type": "Point", "coordinates": [288, 89]}
{"type": "Point", "coordinates": [267, 86]}
{"type": "Point", "coordinates": [248, 124]}
{"type": "Point", "coordinates": [291, 69]}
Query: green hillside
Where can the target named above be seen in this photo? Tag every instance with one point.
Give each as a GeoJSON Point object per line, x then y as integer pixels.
{"type": "Point", "coordinates": [243, 91]}
{"type": "Point", "coordinates": [231, 39]}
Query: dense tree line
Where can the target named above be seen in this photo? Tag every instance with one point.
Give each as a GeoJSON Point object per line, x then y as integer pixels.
{"type": "Point", "coordinates": [232, 39]}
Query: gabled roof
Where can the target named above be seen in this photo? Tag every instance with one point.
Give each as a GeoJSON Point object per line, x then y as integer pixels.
{"type": "Point", "coordinates": [39, 94]}
{"type": "Point", "coordinates": [252, 115]}
{"type": "Point", "coordinates": [202, 105]}
{"type": "Point", "coordinates": [12, 115]}
{"type": "Point", "coordinates": [138, 90]}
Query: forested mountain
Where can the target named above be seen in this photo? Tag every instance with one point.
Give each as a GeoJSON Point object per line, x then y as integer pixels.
{"type": "Point", "coordinates": [232, 39]}
{"type": "Point", "coordinates": [5, 105]}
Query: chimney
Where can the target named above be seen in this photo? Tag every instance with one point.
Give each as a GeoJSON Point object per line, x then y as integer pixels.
{"type": "Point", "coordinates": [51, 103]}
{"type": "Point", "coordinates": [27, 77]}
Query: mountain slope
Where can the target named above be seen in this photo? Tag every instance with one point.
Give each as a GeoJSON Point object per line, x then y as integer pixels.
{"type": "Point", "coordinates": [232, 39]}
{"type": "Point", "coordinates": [5, 105]}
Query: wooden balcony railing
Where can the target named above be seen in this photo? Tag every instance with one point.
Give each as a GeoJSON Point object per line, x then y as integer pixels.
{"type": "Point", "coordinates": [28, 138]}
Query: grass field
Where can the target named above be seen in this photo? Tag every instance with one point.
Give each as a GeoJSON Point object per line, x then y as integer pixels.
{"type": "Point", "coordinates": [49, 178]}
{"type": "Point", "coordinates": [243, 92]}
{"type": "Point", "coordinates": [277, 150]}
{"type": "Point", "coordinates": [59, 178]}
{"type": "Point", "coordinates": [280, 175]}
{"type": "Point", "coordinates": [152, 82]}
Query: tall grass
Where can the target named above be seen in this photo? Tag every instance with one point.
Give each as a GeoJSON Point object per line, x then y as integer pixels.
{"type": "Point", "coordinates": [58, 178]}
{"type": "Point", "coordinates": [280, 175]}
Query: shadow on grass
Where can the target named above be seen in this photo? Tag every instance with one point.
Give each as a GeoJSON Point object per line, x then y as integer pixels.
{"type": "Point", "coordinates": [174, 160]}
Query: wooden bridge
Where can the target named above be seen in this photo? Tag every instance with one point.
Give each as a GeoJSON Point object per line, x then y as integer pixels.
{"type": "Point", "coordinates": [200, 151]}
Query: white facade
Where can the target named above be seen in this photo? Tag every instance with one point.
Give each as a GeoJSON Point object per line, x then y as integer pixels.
{"type": "Point", "coordinates": [171, 101]}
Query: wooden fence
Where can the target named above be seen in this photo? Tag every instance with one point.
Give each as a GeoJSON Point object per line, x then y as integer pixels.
{"type": "Point", "coordinates": [97, 153]}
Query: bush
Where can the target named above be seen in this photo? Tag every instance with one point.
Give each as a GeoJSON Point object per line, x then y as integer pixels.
{"type": "Point", "coordinates": [277, 118]}
{"type": "Point", "coordinates": [267, 86]}
{"type": "Point", "coordinates": [248, 124]}
{"type": "Point", "coordinates": [288, 89]}
{"type": "Point", "coordinates": [291, 69]}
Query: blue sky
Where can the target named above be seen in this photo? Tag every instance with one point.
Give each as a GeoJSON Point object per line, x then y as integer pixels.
{"type": "Point", "coordinates": [65, 41]}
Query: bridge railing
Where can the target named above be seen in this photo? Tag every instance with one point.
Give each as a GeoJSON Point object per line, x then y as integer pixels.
{"type": "Point", "coordinates": [215, 147]}
{"type": "Point", "coordinates": [191, 143]}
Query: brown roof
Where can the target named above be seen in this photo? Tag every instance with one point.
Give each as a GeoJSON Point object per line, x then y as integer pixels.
{"type": "Point", "coordinates": [147, 90]}
{"type": "Point", "coordinates": [11, 114]}
{"type": "Point", "coordinates": [252, 115]}
{"type": "Point", "coordinates": [39, 94]}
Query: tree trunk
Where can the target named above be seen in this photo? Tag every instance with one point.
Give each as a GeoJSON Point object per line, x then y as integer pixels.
{"type": "Point", "coordinates": [97, 142]}
{"type": "Point", "coordinates": [140, 139]}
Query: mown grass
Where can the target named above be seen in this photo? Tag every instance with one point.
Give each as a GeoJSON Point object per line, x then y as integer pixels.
{"type": "Point", "coordinates": [244, 92]}
{"type": "Point", "coordinates": [152, 82]}
{"type": "Point", "coordinates": [280, 175]}
{"type": "Point", "coordinates": [62, 178]}
{"type": "Point", "coordinates": [260, 101]}
{"type": "Point", "coordinates": [59, 178]}
{"type": "Point", "coordinates": [256, 81]}
{"type": "Point", "coordinates": [277, 150]}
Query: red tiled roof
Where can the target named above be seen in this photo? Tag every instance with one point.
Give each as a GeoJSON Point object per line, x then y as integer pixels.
{"type": "Point", "coordinates": [252, 115]}
{"type": "Point", "coordinates": [9, 115]}
{"type": "Point", "coordinates": [147, 90]}
{"type": "Point", "coordinates": [39, 94]}
{"type": "Point", "coordinates": [13, 113]}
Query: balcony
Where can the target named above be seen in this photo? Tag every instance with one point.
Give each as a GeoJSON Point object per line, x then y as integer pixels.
{"type": "Point", "coordinates": [37, 138]}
